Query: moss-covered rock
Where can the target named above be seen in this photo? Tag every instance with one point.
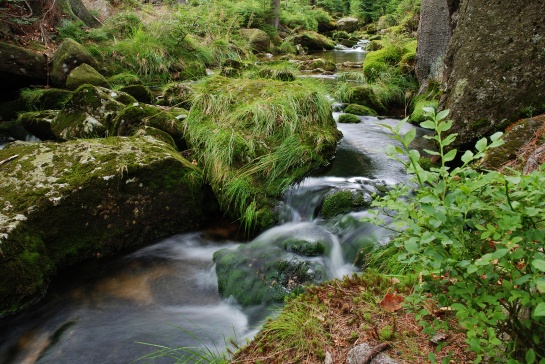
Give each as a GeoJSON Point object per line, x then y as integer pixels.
{"type": "Point", "coordinates": [184, 71]}
{"type": "Point", "coordinates": [348, 24]}
{"type": "Point", "coordinates": [312, 41]}
{"type": "Point", "coordinates": [38, 123]}
{"type": "Point", "coordinates": [417, 116]}
{"type": "Point", "coordinates": [132, 118]}
{"type": "Point", "coordinates": [379, 61]}
{"type": "Point", "coordinates": [68, 56]}
{"type": "Point", "coordinates": [88, 113]}
{"type": "Point", "coordinates": [516, 137]}
{"type": "Point", "coordinates": [177, 94]}
{"type": "Point", "coordinates": [304, 247]}
{"type": "Point", "coordinates": [124, 79]}
{"type": "Point", "coordinates": [366, 96]}
{"type": "Point", "coordinates": [344, 201]}
{"type": "Point", "coordinates": [263, 275]}
{"type": "Point", "coordinates": [85, 75]}
{"type": "Point", "coordinates": [360, 110]}
{"type": "Point", "coordinates": [323, 64]}
{"type": "Point", "coordinates": [259, 40]}
{"type": "Point", "coordinates": [140, 92]}
{"type": "Point", "coordinates": [63, 203]}
{"type": "Point", "coordinates": [349, 119]}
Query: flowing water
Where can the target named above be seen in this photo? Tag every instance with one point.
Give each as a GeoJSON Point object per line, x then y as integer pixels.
{"type": "Point", "coordinates": [166, 294]}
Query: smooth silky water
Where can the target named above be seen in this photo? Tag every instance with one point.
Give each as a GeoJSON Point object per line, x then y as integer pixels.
{"type": "Point", "coordinates": [159, 294]}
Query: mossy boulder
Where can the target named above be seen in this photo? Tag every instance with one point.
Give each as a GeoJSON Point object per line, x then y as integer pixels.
{"type": "Point", "coordinates": [184, 71]}
{"type": "Point", "coordinates": [20, 67]}
{"type": "Point", "coordinates": [348, 24]}
{"type": "Point", "coordinates": [360, 110]}
{"type": "Point", "coordinates": [304, 247]}
{"type": "Point", "coordinates": [38, 123]}
{"type": "Point", "coordinates": [516, 138]}
{"type": "Point", "coordinates": [89, 113]}
{"type": "Point", "coordinates": [417, 116]}
{"type": "Point", "coordinates": [374, 45]}
{"type": "Point", "coordinates": [348, 119]}
{"type": "Point", "coordinates": [365, 95]}
{"type": "Point", "coordinates": [257, 276]}
{"type": "Point", "coordinates": [140, 92]}
{"type": "Point", "coordinates": [85, 75]}
{"type": "Point", "coordinates": [64, 203]}
{"type": "Point", "coordinates": [134, 117]}
{"type": "Point", "coordinates": [68, 56]}
{"type": "Point", "coordinates": [342, 201]}
{"type": "Point", "coordinates": [377, 62]}
{"type": "Point", "coordinates": [323, 64]}
{"type": "Point", "coordinates": [177, 94]}
{"type": "Point", "coordinates": [259, 40]}
{"type": "Point", "coordinates": [312, 41]}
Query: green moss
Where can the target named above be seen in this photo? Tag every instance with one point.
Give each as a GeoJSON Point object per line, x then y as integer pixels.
{"type": "Point", "coordinates": [44, 99]}
{"type": "Point", "coordinates": [360, 110]}
{"type": "Point", "coordinates": [366, 96]}
{"type": "Point", "coordinates": [417, 116]}
{"type": "Point", "coordinates": [377, 62]}
{"type": "Point", "coordinates": [349, 119]}
{"type": "Point", "coordinates": [343, 201]}
{"type": "Point", "coordinates": [85, 75]}
{"type": "Point", "coordinates": [124, 79]}
{"type": "Point", "coordinates": [140, 92]}
{"type": "Point", "coordinates": [304, 247]}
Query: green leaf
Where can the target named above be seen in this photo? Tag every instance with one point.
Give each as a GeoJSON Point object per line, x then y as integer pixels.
{"type": "Point", "coordinates": [442, 114]}
{"type": "Point", "coordinates": [496, 136]}
{"type": "Point", "coordinates": [431, 152]}
{"type": "Point", "coordinates": [428, 124]}
{"type": "Point", "coordinates": [539, 264]}
{"type": "Point", "coordinates": [411, 246]}
{"type": "Point", "coordinates": [449, 139]}
{"type": "Point", "coordinates": [540, 284]}
{"type": "Point", "coordinates": [539, 311]}
{"type": "Point", "coordinates": [414, 155]}
{"type": "Point", "coordinates": [444, 125]}
{"type": "Point", "coordinates": [481, 145]}
{"type": "Point", "coordinates": [409, 137]}
{"type": "Point", "coordinates": [467, 157]}
{"type": "Point", "coordinates": [429, 110]}
{"type": "Point", "coordinates": [530, 356]}
{"type": "Point", "coordinates": [450, 155]}
{"type": "Point", "coordinates": [515, 180]}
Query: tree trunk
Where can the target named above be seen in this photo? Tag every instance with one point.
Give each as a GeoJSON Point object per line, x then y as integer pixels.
{"type": "Point", "coordinates": [76, 10]}
{"type": "Point", "coordinates": [275, 13]}
{"type": "Point", "coordinates": [434, 33]}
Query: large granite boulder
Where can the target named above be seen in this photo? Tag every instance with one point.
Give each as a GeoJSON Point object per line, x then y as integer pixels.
{"type": "Point", "coordinates": [20, 68]}
{"type": "Point", "coordinates": [259, 40]}
{"type": "Point", "coordinates": [68, 56]}
{"type": "Point", "coordinates": [312, 41]}
{"type": "Point", "coordinates": [495, 67]}
{"type": "Point", "coordinates": [348, 24]}
{"type": "Point", "coordinates": [63, 203]}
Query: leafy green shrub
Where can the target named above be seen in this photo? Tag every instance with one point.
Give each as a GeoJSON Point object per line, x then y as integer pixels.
{"type": "Point", "coordinates": [479, 238]}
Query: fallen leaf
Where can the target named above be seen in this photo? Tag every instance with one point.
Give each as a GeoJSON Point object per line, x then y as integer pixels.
{"type": "Point", "coordinates": [392, 302]}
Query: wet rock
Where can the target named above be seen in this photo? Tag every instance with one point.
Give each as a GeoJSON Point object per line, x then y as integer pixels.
{"type": "Point", "coordinates": [348, 24]}
{"type": "Point", "coordinates": [360, 110]}
{"type": "Point", "coordinates": [259, 40]}
{"type": "Point", "coordinates": [364, 95]}
{"type": "Point", "coordinates": [68, 56]}
{"type": "Point", "coordinates": [85, 75]}
{"type": "Point", "coordinates": [63, 203]}
{"type": "Point", "coordinates": [344, 201]}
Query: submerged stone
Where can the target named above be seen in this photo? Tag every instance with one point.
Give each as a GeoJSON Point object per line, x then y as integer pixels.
{"type": "Point", "coordinates": [64, 203]}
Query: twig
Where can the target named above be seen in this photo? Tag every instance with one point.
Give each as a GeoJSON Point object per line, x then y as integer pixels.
{"type": "Point", "coordinates": [374, 352]}
{"type": "Point", "coordinates": [9, 159]}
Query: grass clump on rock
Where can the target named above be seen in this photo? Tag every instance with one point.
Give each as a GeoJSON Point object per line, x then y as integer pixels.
{"type": "Point", "coordinates": [253, 141]}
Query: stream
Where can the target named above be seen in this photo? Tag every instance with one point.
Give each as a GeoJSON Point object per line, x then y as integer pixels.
{"type": "Point", "coordinates": [167, 293]}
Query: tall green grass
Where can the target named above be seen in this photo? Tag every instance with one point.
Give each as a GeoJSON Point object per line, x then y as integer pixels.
{"type": "Point", "coordinates": [254, 137]}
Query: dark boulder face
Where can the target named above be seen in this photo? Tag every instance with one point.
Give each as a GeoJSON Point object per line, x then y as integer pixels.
{"type": "Point", "coordinates": [20, 68]}
{"type": "Point", "coordinates": [496, 64]}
